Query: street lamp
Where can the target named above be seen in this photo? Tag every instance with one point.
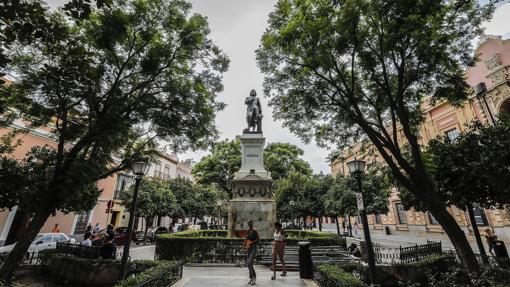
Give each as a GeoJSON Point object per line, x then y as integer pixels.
{"type": "Point", "coordinates": [357, 169]}
{"type": "Point", "coordinates": [292, 212]}
{"type": "Point", "coordinates": [139, 168]}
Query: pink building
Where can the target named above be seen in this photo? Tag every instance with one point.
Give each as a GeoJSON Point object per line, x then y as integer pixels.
{"type": "Point", "coordinates": [11, 221]}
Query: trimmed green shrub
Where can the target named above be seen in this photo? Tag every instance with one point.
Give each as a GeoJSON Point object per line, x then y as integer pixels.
{"type": "Point", "coordinates": [458, 276]}
{"type": "Point", "coordinates": [153, 274]}
{"type": "Point", "coordinates": [335, 276]}
{"type": "Point", "coordinates": [205, 246]}
{"type": "Point", "coordinates": [74, 271]}
{"type": "Point", "coordinates": [138, 266]}
{"type": "Point", "coordinates": [197, 233]}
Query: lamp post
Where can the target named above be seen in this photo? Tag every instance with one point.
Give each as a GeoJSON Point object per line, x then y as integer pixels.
{"type": "Point", "coordinates": [139, 169]}
{"type": "Point", "coordinates": [292, 212]}
{"type": "Point", "coordinates": [357, 169]}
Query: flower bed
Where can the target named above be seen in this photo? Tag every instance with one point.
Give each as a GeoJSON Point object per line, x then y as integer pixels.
{"type": "Point", "coordinates": [212, 246]}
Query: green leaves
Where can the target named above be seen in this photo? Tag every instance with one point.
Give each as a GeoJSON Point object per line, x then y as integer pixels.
{"type": "Point", "coordinates": [341, 198]}
{"type": "Point", "coordinates": [155, 198]}
{"type": "Point", "coordinates": [217, 169]}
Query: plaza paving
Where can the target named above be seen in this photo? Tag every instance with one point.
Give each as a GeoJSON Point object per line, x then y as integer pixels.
{"type": "Point", "coordinates": [237, 276]}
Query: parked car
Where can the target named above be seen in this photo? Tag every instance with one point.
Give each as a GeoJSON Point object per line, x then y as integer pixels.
{"type": "Point", "coordinates": [41, 242]}
{"type": "Point", "coordinates": [121, 236]}
{"type": "Point", "coordinates": [153, 231]}
{"type": "Point", "coordinates": [181, 227]}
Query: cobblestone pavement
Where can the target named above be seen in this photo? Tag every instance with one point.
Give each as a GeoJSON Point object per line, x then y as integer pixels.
{"type": "Point", "coordinates": [237, 277]}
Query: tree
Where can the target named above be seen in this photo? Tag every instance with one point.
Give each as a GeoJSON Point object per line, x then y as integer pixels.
{"type": "Point", "coordinates": [315, 196]}
{"type": "Point", "coordinates": [26, 22]}
{"type": "Point", "coordinates": [308, 193]}
{"type": "Point", "coordinates": [133, 72]}
{"type": "Point", "coordinates": [292, 187]}
{"type": "Point", "coordinates": [341, 197]}
{"type": "Point", "coordinates": [155, 198]}
{"type": "Point", "coordinates": [281, 159]}
{"type": "Point", "coordinates": [218, 168]}
{"type": "Point", "coordinates": [354, 70]}
{"type": "Point", "coordinates": [194, 200]}
{"type": "Point", "coordinates": [471, 169]}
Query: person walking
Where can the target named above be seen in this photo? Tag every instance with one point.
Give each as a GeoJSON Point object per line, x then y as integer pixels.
{"type": "Point", "coordinates": [250, 245]}
{"type": "Point", "coordinates": [55, 229]}
{"type": "Point", "coordinates": [278, 248]}
{"type": "Point", "coordinates": [490, 237]}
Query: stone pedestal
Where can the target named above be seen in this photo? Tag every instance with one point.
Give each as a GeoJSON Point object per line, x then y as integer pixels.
{"type": "Point", "coordinates": [252, 191]}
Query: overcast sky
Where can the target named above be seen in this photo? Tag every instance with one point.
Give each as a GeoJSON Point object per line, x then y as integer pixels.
{"type": "Point", "coordinates": [236, 27]}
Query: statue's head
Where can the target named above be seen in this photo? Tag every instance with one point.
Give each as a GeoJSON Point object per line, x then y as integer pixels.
{"type": "Point", "coordinates": [253, 93]}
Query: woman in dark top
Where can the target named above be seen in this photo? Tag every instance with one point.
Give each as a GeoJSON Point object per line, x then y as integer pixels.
{"type": "Point", "coordinates": [250, 245]}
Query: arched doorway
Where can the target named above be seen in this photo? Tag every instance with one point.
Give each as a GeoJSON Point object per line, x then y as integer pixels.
{"type": "Point", "coordinates": [505, 107]}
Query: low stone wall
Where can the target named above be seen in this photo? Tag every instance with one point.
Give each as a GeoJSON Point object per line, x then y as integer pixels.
{"type": "Point", "coordinates": [73, 271]}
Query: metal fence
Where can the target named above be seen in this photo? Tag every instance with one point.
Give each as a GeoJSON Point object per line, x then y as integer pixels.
{"type": "Point", "coordinates": [403, 254]}
{"type": "Point", "coordinates": [82, 251]}
{"type": "Point", "coordinates": [31, 258]}
{"type": "Point", "coordinates": [166, 278]}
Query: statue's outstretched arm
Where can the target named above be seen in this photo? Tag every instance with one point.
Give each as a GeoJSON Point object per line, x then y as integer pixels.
{"type": "Point", "coordinates": [247, 101]}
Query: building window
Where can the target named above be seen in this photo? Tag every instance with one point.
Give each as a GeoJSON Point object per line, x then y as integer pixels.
{"type": "Point", "coordinates": [377, 218]}
{"type": "Point", "coordinates": [432, 219]}
{"type": "Point", "coordinates": [401, 214]}
{"type": "Point", "coordinates": [480, 217]}
{"type": "Point", "coordinates": [166, 174]}
{"type": "Point", "coordinates": [452, 134]}
{"type": "Point", "coordinates": [122, 182]}
{"type": "Point", "coordinates": [157, 170]}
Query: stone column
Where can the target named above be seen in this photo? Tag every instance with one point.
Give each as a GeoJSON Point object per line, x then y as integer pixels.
{"type": "Point", "coordinates": [252, 191]}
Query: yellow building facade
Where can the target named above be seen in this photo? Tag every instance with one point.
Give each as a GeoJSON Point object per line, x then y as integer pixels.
{"type": "Point", "coordinates": [490, 96]}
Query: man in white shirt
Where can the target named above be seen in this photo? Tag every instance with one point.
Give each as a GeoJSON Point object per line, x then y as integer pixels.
{"type": "Point", "coordinates": [86, 241]}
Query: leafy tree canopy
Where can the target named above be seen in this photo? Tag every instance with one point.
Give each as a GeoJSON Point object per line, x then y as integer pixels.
{"type": "Point", "coordinates": [155, 198]}
{"type": "Point", "coordinates": [108, 86]}
{"type": "Point", "coordinates": [472, 168]}
{"type": "Point", "coordinates": [341, 198]}
{"type": "Point", "coordinates": [194, 200]}
{"type": "Point", "coordinates": [281, 159]}
{"type": "Point", "coordinates": [347, 71]}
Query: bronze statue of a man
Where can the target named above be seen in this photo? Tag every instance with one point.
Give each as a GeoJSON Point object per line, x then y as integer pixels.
{"type": "Point", "coordinates": [253, 113]}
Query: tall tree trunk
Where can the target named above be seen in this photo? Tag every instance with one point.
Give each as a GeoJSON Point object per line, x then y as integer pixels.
{"type": "Point", "coordinates": [349, 226]}
{"type": "Point", "coordinates": [457, 237]}
{"type": "Point", "coordinates": [477, 233]}
{"type": "Point", "coordinates": [337, 226]}
{"type": "Point", "coordinates": [20, 249]}
{"type": "Point", "coordinates": [320, 223]}
{"type": "Point", "coordinates": [147, 219]}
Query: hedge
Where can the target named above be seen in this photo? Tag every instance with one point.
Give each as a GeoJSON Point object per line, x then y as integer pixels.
{"type": "Point", "coordinates": [153, 269]}
{"type": "Point", "coordinates": [74, 271]}
{"type": "Point", "coordinates": [335, 276]}
{"type": "Point", "coordinates": [207, 246]}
